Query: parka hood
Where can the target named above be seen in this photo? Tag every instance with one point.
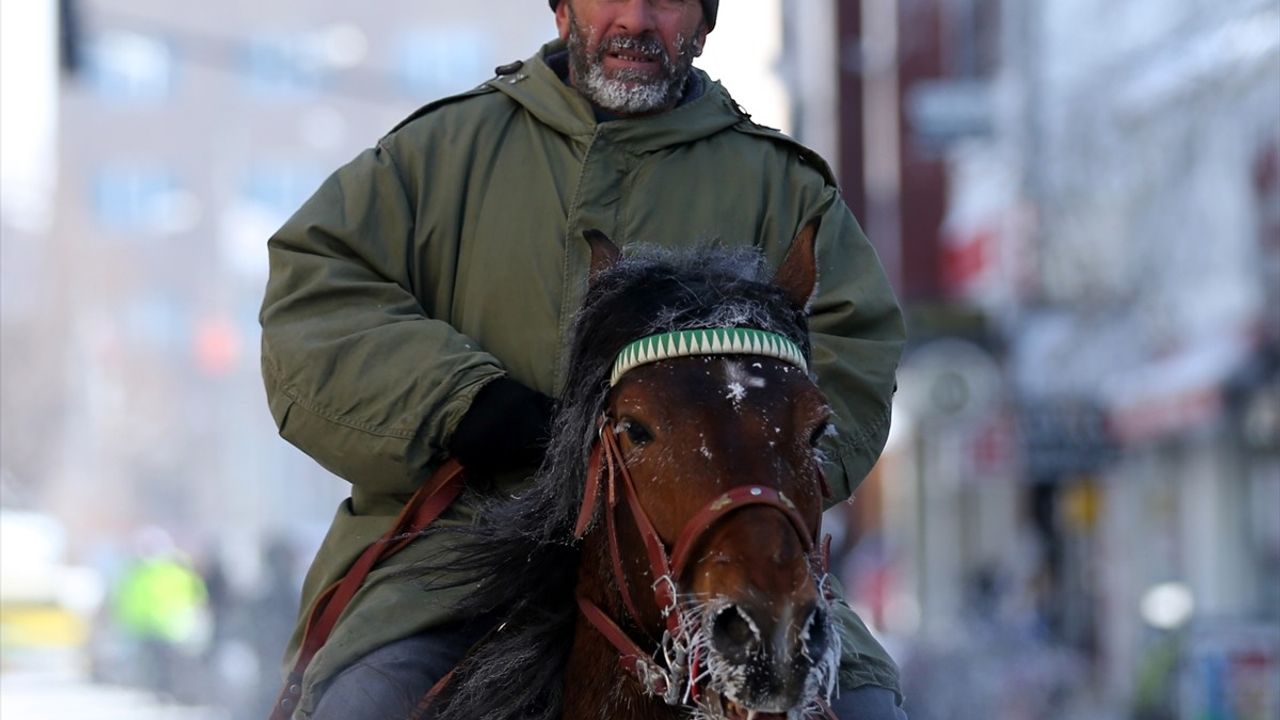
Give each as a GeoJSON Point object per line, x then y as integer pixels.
{"type": "Point", "coordinates": [537, 88]}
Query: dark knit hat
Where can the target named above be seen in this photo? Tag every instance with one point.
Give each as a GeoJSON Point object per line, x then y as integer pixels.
{"type": "Point", "coordinates": [709, 8]}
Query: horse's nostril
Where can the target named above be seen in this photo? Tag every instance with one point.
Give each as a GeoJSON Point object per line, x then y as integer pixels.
{"type": "Point", "coordinates": [733, 632]}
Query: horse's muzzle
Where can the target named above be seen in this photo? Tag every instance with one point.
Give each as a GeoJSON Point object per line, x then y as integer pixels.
{"type": "Point", "coordinates": [770, 662]}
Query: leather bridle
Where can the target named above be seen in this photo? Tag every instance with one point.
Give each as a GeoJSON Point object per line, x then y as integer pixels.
{"type": "Point", "coordinates": [675, 682]}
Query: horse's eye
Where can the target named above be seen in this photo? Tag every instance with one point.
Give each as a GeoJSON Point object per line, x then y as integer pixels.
{"type": "Point", "coordinates": [816, 436]}
{"type": "Point", "coordinates": [637, 433]}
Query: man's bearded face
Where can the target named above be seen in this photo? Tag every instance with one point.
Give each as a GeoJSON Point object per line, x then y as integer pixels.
{"type": "Point", "coordinates": [630, 74]}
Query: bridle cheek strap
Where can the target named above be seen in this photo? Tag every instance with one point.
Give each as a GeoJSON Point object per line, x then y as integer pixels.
{"type": "Point", "coordinates": [606, 462]}
{"type": "Point", "coordinates": [591, 493]}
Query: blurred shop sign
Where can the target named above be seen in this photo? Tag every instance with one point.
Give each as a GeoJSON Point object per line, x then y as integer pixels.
{"type": "Point", "coordinates": [1065, 437]}
{"type": "Point", "coordinates": [1177, 393]}
{"type": "Point", "coordinates": [1166, 415]}
{"type": "Point", "coordinates": [967, 255]}
{"type": "Point", "coordinates": [943, 111]}
{"type": "Point", "coordinates": [985, 229]}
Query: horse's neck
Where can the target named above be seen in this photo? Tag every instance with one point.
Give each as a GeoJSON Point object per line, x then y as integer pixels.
{"type": "Point", "coordinates": [596, 686]}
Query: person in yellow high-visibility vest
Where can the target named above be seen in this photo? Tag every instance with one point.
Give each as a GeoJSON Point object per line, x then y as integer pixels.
{"type": "Point", "coordinates": [161, 604]}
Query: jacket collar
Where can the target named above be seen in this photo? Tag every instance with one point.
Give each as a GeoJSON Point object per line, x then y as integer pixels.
{"type": "Point", "coordinates": [538, 89]}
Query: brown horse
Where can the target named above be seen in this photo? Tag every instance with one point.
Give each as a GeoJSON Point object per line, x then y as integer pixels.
{"type": "Point", "coordinates": [667, 564]}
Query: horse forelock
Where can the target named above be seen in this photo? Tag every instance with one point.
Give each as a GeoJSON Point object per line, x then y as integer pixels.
{"type": "Point", "coordinates": [654, 290]}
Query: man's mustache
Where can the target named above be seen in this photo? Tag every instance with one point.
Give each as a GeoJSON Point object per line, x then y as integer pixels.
{"type": "Point", "coordinates": [645, 44]}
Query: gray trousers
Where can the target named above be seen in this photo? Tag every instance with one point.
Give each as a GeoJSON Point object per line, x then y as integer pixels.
{"type": "Point", "coordinates": [387, 683]}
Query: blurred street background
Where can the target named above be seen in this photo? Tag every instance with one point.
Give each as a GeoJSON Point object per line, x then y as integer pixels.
{"type": "Point", "coordinates": [1077, 516]}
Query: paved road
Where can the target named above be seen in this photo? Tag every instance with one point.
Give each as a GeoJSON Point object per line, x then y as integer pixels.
{"type": "Point", "coordinates": [43, 697]}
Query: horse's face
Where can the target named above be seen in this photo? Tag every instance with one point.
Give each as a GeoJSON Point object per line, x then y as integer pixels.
{"type": "Point", "coordinates": [692, 429]}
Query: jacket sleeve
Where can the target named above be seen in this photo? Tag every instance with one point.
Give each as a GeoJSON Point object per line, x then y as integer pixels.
{"type": "Point", "coordinates": [858, 337]}
{"type": "Point", "coordinates": [357, 375]}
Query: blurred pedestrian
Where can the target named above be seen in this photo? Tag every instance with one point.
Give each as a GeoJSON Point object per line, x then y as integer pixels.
{"type": "Point", "coordinates": [160, 605]}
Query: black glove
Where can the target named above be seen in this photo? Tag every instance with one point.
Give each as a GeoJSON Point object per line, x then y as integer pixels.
{"type": "Point", "coordinates": [507, 426]}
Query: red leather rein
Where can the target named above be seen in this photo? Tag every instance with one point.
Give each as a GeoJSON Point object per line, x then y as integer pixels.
{"type": "Point", "coordinates": [606, 464]}
{"type": "Point", "coordinates": [432, 499]}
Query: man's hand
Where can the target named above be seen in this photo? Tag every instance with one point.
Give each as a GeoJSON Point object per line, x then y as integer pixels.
{"type": "Point", "coordinates": [507, 427]}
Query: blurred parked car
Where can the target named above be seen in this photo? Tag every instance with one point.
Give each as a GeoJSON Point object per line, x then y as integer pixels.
{"type": "Point", "coordinates": [46, 604]}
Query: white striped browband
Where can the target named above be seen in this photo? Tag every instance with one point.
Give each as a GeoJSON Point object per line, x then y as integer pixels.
{"type": "Point", "coordinates": [712, 341]}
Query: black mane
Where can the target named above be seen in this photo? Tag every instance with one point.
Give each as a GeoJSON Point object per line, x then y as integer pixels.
{"type": "Point", "coordinates": [521, 552]}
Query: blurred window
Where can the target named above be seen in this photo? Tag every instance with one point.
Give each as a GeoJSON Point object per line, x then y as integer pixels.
{"type": "Point", "coordinates": [141, 198]}
{"type": "Point", "coordinates": [439, 61]}
{"type": "Point", "coordinates": [129, 67]}
{"type": "Point", "coordinates": [285, 66]}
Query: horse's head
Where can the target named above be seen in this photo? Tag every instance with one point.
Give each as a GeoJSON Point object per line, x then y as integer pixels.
{"type": "Point", "coordinates": [709, 435]}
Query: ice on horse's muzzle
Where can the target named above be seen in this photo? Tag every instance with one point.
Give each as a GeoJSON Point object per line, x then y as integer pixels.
{"type": "Point", "coordinates": [770, 664]}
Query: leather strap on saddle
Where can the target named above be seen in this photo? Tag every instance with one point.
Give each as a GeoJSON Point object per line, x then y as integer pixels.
{"type": "Point", "coordinates": [427, 504]}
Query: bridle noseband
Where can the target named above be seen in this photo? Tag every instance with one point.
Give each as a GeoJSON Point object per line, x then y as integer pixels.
{"type": "Point", "coordinates": [606, 465]}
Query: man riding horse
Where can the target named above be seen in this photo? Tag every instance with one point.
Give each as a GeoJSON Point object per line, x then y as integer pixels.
{"type": "Point", "coordinates": [419, 306]}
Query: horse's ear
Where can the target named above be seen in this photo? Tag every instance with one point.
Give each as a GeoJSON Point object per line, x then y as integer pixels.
{"type": "Point", "coordinates": [604, 254]}
{"type": "Point", "coordinates": [798, 274]}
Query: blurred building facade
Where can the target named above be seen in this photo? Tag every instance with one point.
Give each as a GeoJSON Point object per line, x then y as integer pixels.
{"type": "Point", "coordinates": [186, 136]}
{"type": "Point", "coordinates": [1078, 202]}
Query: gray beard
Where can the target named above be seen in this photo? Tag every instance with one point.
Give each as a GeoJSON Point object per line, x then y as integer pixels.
{"type": "Point", "coordinates": [628, 92]}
